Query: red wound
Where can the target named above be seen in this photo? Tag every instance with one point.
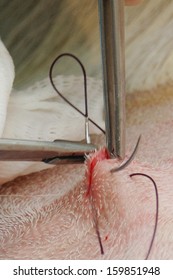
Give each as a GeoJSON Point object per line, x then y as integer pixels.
{"type": "Point", "coordinates": [91, 162]}
{"type": "Point", "coordinates": [106, 237]}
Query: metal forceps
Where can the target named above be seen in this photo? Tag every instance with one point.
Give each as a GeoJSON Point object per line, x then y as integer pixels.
{"type": "Point", "coordinates": [63, 152]}
{"type": "Point", "coordinates": [56, 152]}
{"type": "Point", "coordinates": [111, 13]}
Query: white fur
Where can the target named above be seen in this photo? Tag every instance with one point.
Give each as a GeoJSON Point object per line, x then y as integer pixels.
{"type": "Point", "coordinates": [6, 82]}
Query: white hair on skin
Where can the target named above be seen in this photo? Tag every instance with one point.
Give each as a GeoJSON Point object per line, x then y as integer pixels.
{"type": "Point", "coordinates": [45, 214]}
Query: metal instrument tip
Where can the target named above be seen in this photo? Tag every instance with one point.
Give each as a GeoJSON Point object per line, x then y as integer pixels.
{"type": "Point", "coordinates": [111, 14]}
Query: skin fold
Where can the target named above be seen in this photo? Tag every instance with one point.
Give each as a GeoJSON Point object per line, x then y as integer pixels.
{"type": "Point", "coordinates": [46, 214]}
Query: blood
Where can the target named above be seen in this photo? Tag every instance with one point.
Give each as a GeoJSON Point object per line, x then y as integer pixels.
{"type": "Point", "coordinates": [91, 162]}
{"type": "Point", "coordinates": [106, 237]}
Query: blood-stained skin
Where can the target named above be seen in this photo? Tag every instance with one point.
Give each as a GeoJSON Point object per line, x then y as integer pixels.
{"type": "Point", "coordinates": [49, 215]}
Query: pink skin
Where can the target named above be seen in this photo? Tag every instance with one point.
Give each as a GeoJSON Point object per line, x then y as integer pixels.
{"type": "Point", "coordinates": [51, 217]}
{"type": "Point", "coordinates": [47, 214]}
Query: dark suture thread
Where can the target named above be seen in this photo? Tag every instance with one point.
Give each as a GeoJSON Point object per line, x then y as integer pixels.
{"type": "Point", "coordinates": [79, 111]}
{"type": "Point", "coordinates": [95, 218]}
{"type": "Point", "coordinates": [85, 88]}
{"type": "Point", "coordinates": [86, 115]}
{"type": "Point", "coordinates": [157, 209]}
{"type": "Point", "coordinates": [124, 165]}
{"type": "Point", "coordinates": [100, 241]}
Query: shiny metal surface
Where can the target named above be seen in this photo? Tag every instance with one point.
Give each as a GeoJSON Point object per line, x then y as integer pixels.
{"type": "Point", "coordinates": [59, 151]}
{"type": "Point", "coordinates": [111, 14]}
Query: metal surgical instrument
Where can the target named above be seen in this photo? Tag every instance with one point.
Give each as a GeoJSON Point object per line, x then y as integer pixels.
{"type": "Point", "coordinates": [57, 152]}
{"type": "Point", "coordinates": [113, 61]}
{"type": "Point", "coordinates": [61, 151]}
